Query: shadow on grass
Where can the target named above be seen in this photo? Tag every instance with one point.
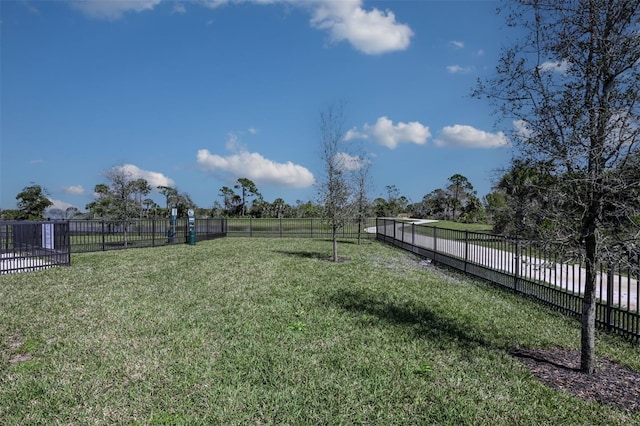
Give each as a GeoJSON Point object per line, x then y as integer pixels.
{"type": "Point", "coordinates": [415, 318]}
{"type": "Point", "coordinates": [303, 254]}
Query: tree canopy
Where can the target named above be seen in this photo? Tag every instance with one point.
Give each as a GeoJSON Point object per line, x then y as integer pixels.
{"type": "Point", "coordinates": [32, 202]}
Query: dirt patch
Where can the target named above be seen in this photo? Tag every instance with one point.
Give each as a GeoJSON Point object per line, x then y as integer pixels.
{"type": "Point", "coordinates": [20, 358]}
{"type": "Point", "coordinates": [611, 383]}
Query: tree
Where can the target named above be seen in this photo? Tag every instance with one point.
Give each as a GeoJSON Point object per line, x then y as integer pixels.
{"type": "Point", "coordinates": [362, 181]}
{"type": "Point", "coordinates": [572, 85]}
{"type": "Point", "coordinates": [436, 203]}
{"type": "Point", "coordinates": [307, 209]}
{"type": "Point", "coordinates": [231, 201]}
{"type": "Point", "coordinates": [141, 189]}
{"type": "Point", "coordinates": [334, 189]}
{"type": "Point", "coordinates": [183, 203]}
{"type": "Point", "coordinates": [171, 195]}
{"type": "Point", "coordinates": [32, 202]}
{"type": "Point", "coordinates": [119, 199]}
{"type": "Point", "coordinates": [248, 189]}
{"type": "Point", "coordinates": [460, 192]}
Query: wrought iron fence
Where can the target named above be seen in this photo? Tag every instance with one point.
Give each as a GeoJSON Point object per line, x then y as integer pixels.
{"type": "Point", "coordinates": [294, 227]}
{"type": "Point", "coordinates": [528, 269]}
{"type": "Point", "coordinates": [103, 235]}
{"type": "Point", "coordinates": [29, 246]}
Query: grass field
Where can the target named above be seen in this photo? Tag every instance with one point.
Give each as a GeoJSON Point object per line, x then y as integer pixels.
{"type": "Point", "coordinates": [460, 226]}
{"type": "Point", "coordinates": [265, 331]}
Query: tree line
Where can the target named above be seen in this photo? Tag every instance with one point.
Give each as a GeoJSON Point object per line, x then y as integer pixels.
{"type": "Point", "coordinates": [123, 196]}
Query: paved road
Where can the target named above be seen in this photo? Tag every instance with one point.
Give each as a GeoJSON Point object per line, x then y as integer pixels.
{"type": "Point", "coordinates": [567, 276]}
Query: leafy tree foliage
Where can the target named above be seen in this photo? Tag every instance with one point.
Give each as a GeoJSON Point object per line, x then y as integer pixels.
{"type": "Point", "coordinates": [572, 85]}
{"type": "Point", "coordinates": [32, 202]}
{"type": "Point", "coordinates": [247, 189]}
{"type": "Point", "coordinates": [171, 198]}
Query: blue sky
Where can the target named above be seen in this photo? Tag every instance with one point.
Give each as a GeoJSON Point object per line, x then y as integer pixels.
{"type": "Point", "coordinates": [196, 94]}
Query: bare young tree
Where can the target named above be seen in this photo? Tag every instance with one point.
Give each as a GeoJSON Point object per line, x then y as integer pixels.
{"type": "Point", "coordinates": [362, 183]}
{"type": "Point", "coordinates": [334, 186]}
{"type": "Point", "coordinates": [572, 85]}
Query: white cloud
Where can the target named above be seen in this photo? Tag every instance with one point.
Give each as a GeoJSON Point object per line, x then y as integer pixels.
{"type": "Point", "coordinates": [480, 52]}
{"type": "Point", "coordinates": [252, 130]}
{"type": "Point", "coordinates": [457, 69]}
{"type": "Point", "coordinates": [560, 67]}
{"type": "Point", "coordinates": [390, 135]}
{"type": "Point", "coordinates": [470, 137]}
{"type": "Point", "coordinates": [179, 8]}
{"type": "Point", "coordinates": [348, 162]}
{"type": "Point", "coordinates": [257, 168]}
{"type": "Point", "coordinates": [57, 204]}
{"type": "Point", "coordinates": [112, 9]}
{"type": "Point", "coordinates": [522, 129]}
{"type": "Point", "coordinates": [457, 44]}
{"type": "Point", "coordinates": [372, 32]}
{"type": "Point", "coordinates": [154, 179]}
{"type": "Point", "coordinates": [232, 143]}
{"type": "Point", "coordinates": [354, 134]}
{"type": "Point", "coordinates": [74, 190]}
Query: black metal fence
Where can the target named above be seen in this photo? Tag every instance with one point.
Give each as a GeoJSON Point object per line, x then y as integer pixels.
{"type": "Point", "coordinates": [102, 235]}
{"type": "Point", "coordinates": [528, 269]}
{"type": "Point", "coordinates": [28, 246]}
{"type": "Point", "coordinates": [293, 227]}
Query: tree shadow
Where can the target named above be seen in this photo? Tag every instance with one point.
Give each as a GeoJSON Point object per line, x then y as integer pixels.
{"type": "Point", "coordinates": [303, 254]}
{"type": "Point", "coordinates": [416, 318]}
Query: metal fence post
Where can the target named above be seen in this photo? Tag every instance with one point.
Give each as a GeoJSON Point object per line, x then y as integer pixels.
{"type": "Point", "coordinates": [516, 266]}
{"type": "Point", "coordinates": [466, 249]}
{"type": "Point", "coordinates": [435, 242]}
{"type": "Point", "coordinates": [610, 280]}
{"type": "Point", "coordinates": [103, 247]}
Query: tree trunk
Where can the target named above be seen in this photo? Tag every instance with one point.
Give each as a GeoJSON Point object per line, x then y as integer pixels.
{"type": "Point", "coordinates": [335, 245]}
{"type": "Point", "coordinates": [588, 332]}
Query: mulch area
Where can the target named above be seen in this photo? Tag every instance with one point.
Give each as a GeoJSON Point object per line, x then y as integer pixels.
{"type": "Point", "coordinates": [611, 383]}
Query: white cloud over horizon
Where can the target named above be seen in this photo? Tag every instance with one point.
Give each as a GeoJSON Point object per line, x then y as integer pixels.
{"type": "Point", "coordinates": [74, 190]}
{"type": "Point", "coordinates": [154, 179]}
{"type": "Point", "coordinates": [464, 136]}
{"type": "Point", "coordinates": [57, 204]}
{"type": "Point", "coordinates": [254, 166]}
{"type": "Point", "coordinates": [372, 31]}
{"type": "Point", "coordinates": [385, 133]}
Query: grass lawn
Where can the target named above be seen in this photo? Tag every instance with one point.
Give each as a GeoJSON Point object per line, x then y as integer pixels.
{"type": "Point", "coordinates": [265, 331]}
{"type": "Point", "coordinates": [460, 226]}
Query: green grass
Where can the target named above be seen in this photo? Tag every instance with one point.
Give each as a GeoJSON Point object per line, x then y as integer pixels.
{"type": "Point", "coordinates": [265, 331]}
{"type": "Point", "coordinates": [460, 226]}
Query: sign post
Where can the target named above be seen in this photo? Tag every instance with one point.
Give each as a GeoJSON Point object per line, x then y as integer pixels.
{"type": "Point", "coordinates": [171, 234]}
{"type": "Point", "coordinates": [192, 228]}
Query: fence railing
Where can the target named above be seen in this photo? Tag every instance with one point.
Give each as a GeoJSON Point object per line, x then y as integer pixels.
{"type": "Point", "coordinates": [102, 235]}
{"type": "Point", "coordinates": [28, 246]}
{"type": "Point", "coordinates": [527, 269]}
{"type": "Point", "coordinates": [294, 227]}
